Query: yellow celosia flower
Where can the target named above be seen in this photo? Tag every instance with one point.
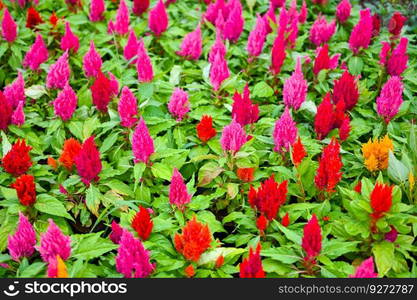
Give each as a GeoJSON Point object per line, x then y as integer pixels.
{"type": "Point", "coordinates": [375, 153]}
{"type": "Point", "coordinates": [61, 268]}
{"type": "Point", "coordinates": [411, 181]}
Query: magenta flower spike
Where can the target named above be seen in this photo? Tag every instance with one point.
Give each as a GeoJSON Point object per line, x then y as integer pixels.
{"type": "Point", "coordinates": [121, 26]}
{"type": "Point", "coordinates": [178, 104]}
{"type": "Point", "coordinates": [69, 40]}
{"type": "Point", "coordinates": [8, 27]}
{"type": "Point", "coordinates": [65, 103]}
{"type": "Point", "coordinates": [97, 8]}
{"type": "Point", "coordinates": [142, 143]}
{"type": "Point", "coordinates": [397, 63]}
{"type": "Point", "coordinates": [321, 31]}
{"type": "Point", "coordinates": [257, 37]}
{"type": "Point", "coordinates": [217, 48]}
{"type": "Point", "coordinates": [128, 108]}
{"type": "Point", "coordinates": [131, 48]}
{"type": "Point", "coordinates": [178, 194]}
{"type": "Point", "coordinates": [15, 92]}
{"type": "Point", "coordinates": [92, 62]}
{"type": "Point", "coordinates": [144, 64]}
{"type": "Point", "coordinates": [390, 99]}
{"type": "Point", "coordinates": [192, 45]}
{"type": "Point", "coordinates": [285, 132]}
{"type": "Point", "coordinates": [53, 243]}
{"type": "Point", "coordinates": [294, 91]}
{"type": "Point", "coordinates": [18, 116]}
{"type": "Point", "coordinates": [36, 55]}
{"type": "Point", "coordinates": [59, 73]}
{"type": "Point", "coordinates": [133, 260]}
{"type": "Point", "coordinates": [234, 23]}
{"type": "Point", "coordinates": [22, 242]}
{"type": "Point", "coordinates": [158, 19]}
{"type": "Point", "coordinates": [116, 232]}
{"type": "Point", "coordinates": [243, 111]}
{"type": "Point", "coordinates": [343, 11]}
{"type": "Point", "coordinates": [361, 34]}
{"type": "Point", "coordinates": [219, 71]}
{"type": "Point", "coordinates": [233, 137]}
{"type": "Point", "coordinates": [365, 270]}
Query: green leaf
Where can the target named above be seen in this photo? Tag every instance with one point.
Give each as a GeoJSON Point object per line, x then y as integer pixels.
{"type": "Point", "coordinates": [35, 91]}
{"type": "Point", "coordinates": [285, 255]}
{"type": "Point", "coordinates": [109, 142]}
{"type": "Point", "coordinates": [263, 90]}
{"type": "Point", "coordinates": [355, 65]}
{"type": "Point", "coordinates": [208, 172]}
{"type": "Point", "coordinates": [92, 199]}
{"type": "Point", "coordinates": [162, 171]}
{"type": "Point", "coordinates": [384, 256]}
{"type": "Point", "coordinates": [120, 187]}
{"type": "Point", "coordinates": [397, 171]}
{"type": "Point", "coordinates": [50, 205]}
{"type": "Point", "coordinates": [89, 246]}
{"type": "Point", "coordinates": [6, 146]}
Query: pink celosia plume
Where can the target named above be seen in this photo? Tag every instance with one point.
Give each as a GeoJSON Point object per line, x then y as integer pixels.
{"type": "Point", "coordinates": [131, 48]}
{"type": "Point", "coordinates": [22, 242]}
{"type": "Point", "coordinates": [243, 111]}
{"type": "Point", "coordinates": [285, 132]}
{"type": "Point", "coordinates": [18, 116]}
{"type": "Point", "coordinates": [15, 92]}
{"type": "Point", "coordinates": [53, 243]}
{"type": "Point", "coordinates": [390, 99]}
{"type": "Point", "coordinates": [321, 31]}
{"type": "Point", "coordinates": [65, 103]}
{"type": "Point", "coordinates": [158, 18]}
{"type": "Point", "coordinates": [97, 8]}
{"type": "Point", "coordinates": [128, 108]}
{"type": "Point", "coordinates": [365, 270]}
{"type": "Point", "coordinates": [88, 161]}
{"type": "Point", "coordinates": [144, 64]}
{"type": "Point", "coordinates": [142, 143]}
{"type": "Point", "coordinates": [257, 37]}
{"type": "Point", "coordinates": [59, 73]}
{"type": "Point", "coordinates": [37, 54]}
{"type": "Point", "coordinates": [233, 137]}
{"type": "Point", "coordinates": [343, 11]}
{"type": "Point", "coordinates": [294, 91]}
{"type": "Point", "coordinates": [361, 34]}
{"type": "Point", "coordinates": [192, 45]}
{"type": "Point", "coordinates": [69, 40]}
{"type": "Point", "coordinates": [179, 105]}
{"type": "Point", "coordinates": [178, 194]}
{"type": "Point", "coordinates": [8, 27]}
{"type": "Point", "coordinates": [92, 62]}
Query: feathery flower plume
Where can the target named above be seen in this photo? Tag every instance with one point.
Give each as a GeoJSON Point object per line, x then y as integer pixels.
{"type": "Point", "coordinates": [397, 61]}
{"type": "Point", "coordinates": [33, 18]}
{"type": "Point", "coordinates": [18, 116]}
{"type": "Point", "coordinates": [269, 197]}
{"type": "Point", "coordinates": [234, 23]}
{"type": "Point", "coordinates": [128, 108]}
{"type": "Point", "coordinates": [158, 18]}
{"type": "Point", "coordinates": [37, 54]}
{"type": "Point", "coordinates": [361, 34]}
{"type": "Point", "coordinates": [233, 137]}
{"type": "Point", "coordinates": [97, 8]}
{"type": "Point", "coordinates": [15, 92]}
{"type": "Point", "coordinates": [140, 6]}
{"type": "Point", "coordinates": [321, 31]}
{"type": "Point", "coordinates": [257, 37]}
{"type": "Point", "coordinates": [381, 202]}
{"type": "Point", "coordinates": [6, 112]}
{"type": "Point", "coordinates": [102, 92]}
{"type": "Point", "coordinates": [343, 11]}
{"type": "Point", "coordinates": [285, 132]}
{"type": "Point", "coordinates": [59, 73]}
{"type": "Point", "coordinates": [245, 174]}
{"type": "Point", "coordinates": [22, 242]}
{"type": "Point", "coordinates": [142, 143]}
{"type": "Point", "coordinates": [121, 25]}
{"type": "Point", "coordinates": [131, 48]}
{"type": "Point", "coordinates": [303, 13]}
{"type": "Point", "coordinates": [376, 24]}
{"type": "Point", "coordinates": [329, 170]}
{"type": "Point", "coordinates": [92, 62]}
{"type": "Point", "coordinates": [285, 220]}
{"type": "Point", "coordinates": [192, 45]}
{"type": "Point", "coordinates": [390, 99]}
{"type": "Point", "coordinates": [178, 194]}
{"type": "Point", "coordinates": [133, 260]}
{"type": "Point", "coordinates": [144, 64]}
{"type": "Point", "coordinates": [298, 152]}
{"type": "Point", "coordinates": [312, 238]}
{"type": "Point", "coordinates": [8, 27]}
{"type": "Point", "coordinates": [396, 23]}
{"type": "Point", "coordinates": [219, 71]}
{"type": "Point", "coordinates": [88, 161]}
{"type": "Point", "coordinates": [205, 130]}
{"type": "Point", "coordinates": [69, 40]}
{"type": "Point", "coordinates": [65, 103]}
{"type": "Point", "coordinates": [365, 270]}
{"type": "Point", "coordinates": [323, 61]}
{"type": "Point", "coordinates": [57, 268]}
{"type": "Point", "coordinates": [179, 105]}
{"type": "Point", "coordinates": [278, 54]}
{"type": "Point", "coordinates": [194, 240]}
{"type": "Point", "coordinates": [375, 153]}
{"type": "Point", "coordinates": [17, 161]}
{"type": "Point", "coordinates": [116, 232]}
{"type": "Point", "coordinates": [294, 91]}
{"type": "Point", "coordinates": [69, 152]}
{"type": "Point", "coordinates": [25, 189]}
{"type": "Point", "coordinates": [346, 89]}
{"type": "Point", "coordinates": [142, 223]}
{"type": "Point", "coordinates": [251, 267]}
{"type": "Point", "coordinates": [53, 243]}
{"type": "Point", "coordinates": [269, 17]}
{"type": "Point", "coordinates": [243, 111]}
{"type": "Point", "coordinates": [189, 271]}
{"type": "Point", "coordinates": [217, 48]}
